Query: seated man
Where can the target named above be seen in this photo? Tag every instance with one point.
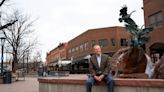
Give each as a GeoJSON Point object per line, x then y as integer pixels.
{"type": "Point", "coordinates": [99, 70]}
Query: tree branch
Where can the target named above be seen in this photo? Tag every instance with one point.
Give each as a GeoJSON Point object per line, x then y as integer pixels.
{"type": "Point", "coordinates": [2, 2]}
{"type": "Point", "coordinates": [8, 24]}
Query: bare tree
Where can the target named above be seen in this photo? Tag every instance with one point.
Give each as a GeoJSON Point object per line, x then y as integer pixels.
{"type": "Point", "coordinates": [2, 2]}
{"type": "Point", "coordinates": [8, 23]}
{"type": "Point", "coordinates": [19, 37]}
{"type": "Point", "coordinates": [37, 60]}
{"type": "Point", "coordinates": [4, 25]}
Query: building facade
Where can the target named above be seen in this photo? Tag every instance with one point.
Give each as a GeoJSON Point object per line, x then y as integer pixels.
{"type": "Point", "coordinates": [154, 17]}
{"type": "Point", "coordinates": [60, 52]}
{"type": "Point", "coordinates": [79, 49]}
{"type": "Point", "coordinates": [110, 39]}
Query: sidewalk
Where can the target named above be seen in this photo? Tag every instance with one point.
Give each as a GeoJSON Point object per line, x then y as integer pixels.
{"type": "Point", "coordinates": [27, 85]}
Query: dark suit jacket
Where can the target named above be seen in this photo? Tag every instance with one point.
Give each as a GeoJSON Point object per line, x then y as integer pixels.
{"type": "Point", "coordinates": [94, 68]}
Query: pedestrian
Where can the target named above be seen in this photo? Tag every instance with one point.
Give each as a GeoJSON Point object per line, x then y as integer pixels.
{"type": "Point", "coordinates": [45, 70]}
{"type": "Point", "coordinates": [99, 68]}
{"type": "Point", "coordinates": [149, 67]}
{"type": "Point", "coordinates": [159, 69]}
{"type": "Point", "coordinates": [40, 70]}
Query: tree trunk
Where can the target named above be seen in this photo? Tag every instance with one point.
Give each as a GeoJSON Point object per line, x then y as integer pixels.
{"type": "Point", "coordinates": [14, 63]}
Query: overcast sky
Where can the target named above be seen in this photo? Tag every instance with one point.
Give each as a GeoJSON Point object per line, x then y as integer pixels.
{"type": "Point", "coordinates": [62, 20]}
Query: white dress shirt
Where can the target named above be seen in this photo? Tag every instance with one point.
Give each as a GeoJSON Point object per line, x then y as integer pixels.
{"type": "Point", "coordinates": [98, 59]}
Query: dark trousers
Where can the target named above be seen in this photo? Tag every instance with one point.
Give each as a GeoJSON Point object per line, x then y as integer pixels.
{"type": "Point", "coordinates": [91, 81]}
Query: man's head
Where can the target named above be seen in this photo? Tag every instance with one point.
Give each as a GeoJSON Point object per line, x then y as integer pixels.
{"type": "Point", "coordinates": [97, 49]}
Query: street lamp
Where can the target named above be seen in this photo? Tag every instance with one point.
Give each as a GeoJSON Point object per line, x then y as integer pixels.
{"type": "Point", "coordinates": [2, 44]}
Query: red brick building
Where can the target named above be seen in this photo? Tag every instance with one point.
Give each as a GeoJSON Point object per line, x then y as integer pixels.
{"type": "Point", "coordinates": [110, 39]}
{"type": "Point", "coordinates": [79, 48]}
{"type": "Point", "coordinates": [60, 52]}
{"type": "Point", "coordinates": [154, 17]}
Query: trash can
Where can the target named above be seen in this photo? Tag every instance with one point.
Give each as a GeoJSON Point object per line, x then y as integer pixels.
{"type": "Point", "coordinates": [7, 77]}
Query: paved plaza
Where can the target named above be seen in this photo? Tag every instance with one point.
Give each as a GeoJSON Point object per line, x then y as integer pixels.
{"type": "Point", "coordinates": [31, 84]}
{"type": "Point", "coordinates": [28, 85]}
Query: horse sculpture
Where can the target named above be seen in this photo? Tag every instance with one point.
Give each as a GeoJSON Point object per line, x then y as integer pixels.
{"type": "Point", "coordinates": [131, 61]}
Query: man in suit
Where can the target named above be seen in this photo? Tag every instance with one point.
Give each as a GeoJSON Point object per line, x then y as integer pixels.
{"type": "Point", "coordinates": [99, 70]}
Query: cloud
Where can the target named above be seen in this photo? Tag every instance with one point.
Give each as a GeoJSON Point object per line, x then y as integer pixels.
{"type": "Point", "coordinates": [62, 20]}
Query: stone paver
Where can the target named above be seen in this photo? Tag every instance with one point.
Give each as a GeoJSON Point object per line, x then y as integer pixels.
{"type": "Point", "coordinates": [27, 85]}
{"type": "Point", "coordinates": [31, 84]}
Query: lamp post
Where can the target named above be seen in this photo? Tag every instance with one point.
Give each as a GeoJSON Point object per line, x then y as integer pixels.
{"type": "Point", "coordinates": [2, 44]}
{"type": "Point", "coordinates": [27, 53]}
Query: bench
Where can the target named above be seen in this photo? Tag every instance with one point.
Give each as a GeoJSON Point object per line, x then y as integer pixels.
{"type": "Point", "coordinates": [20, 74]}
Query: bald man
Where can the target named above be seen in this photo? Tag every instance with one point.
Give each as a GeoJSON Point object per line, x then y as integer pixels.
{"type": "Point", "coordinates": [99, 70]}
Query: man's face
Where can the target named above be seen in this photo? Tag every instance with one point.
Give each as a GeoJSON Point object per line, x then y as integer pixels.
{"type": "Point", "coordinates": [97, 49]}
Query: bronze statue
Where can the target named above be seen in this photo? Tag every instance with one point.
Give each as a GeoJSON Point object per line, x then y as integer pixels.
{"type": "Point", "coordinates": [139, 35]}
{"type": "Point", "coordinates": [132, 61]}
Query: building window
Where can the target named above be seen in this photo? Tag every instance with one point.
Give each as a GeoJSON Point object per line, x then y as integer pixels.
{"type": "Point", "coordinates": [69, 51]}
{"type": "Point", "coordinates": [73, 50]}
{"type": "Point", "coordinates": [92, 43]}
{"type": "Point", "coordinates": [77, 48]}
{"type": "Point", "coordinates": [113, 41]}
{"type": "Point", "coordinates": [103, 42]}
{"type": "Point", "coordinates": [124, 42]}
{"type": "Point", "coordinates": [86, 45]}
{"type": "Point", "coordinates": [156, 19]}
{"type": "Point", "coordinates": [81, 47]}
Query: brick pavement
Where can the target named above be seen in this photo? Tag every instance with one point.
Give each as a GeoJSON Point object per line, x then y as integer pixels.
{"type": "Point", "coordinates": [31, 84]}
{"type": "Point", "coordinates": [27, 85]}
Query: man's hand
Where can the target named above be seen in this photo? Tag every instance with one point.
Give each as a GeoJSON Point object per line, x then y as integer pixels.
{"type": "Point", "coordinates": [98, 78]}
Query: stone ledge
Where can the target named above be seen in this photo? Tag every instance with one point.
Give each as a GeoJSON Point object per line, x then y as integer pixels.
{"type": "Point", "coordinates": [159, 83]}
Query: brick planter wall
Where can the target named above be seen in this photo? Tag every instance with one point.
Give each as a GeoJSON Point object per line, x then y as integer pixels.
{"type": "Point", "coordinates": [78, 84]}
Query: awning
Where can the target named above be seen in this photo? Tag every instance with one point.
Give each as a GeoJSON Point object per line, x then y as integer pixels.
{"type": "Point", "coordinates": [64, 62]}
{"type": "Point", "coordinates": [157, 48]}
